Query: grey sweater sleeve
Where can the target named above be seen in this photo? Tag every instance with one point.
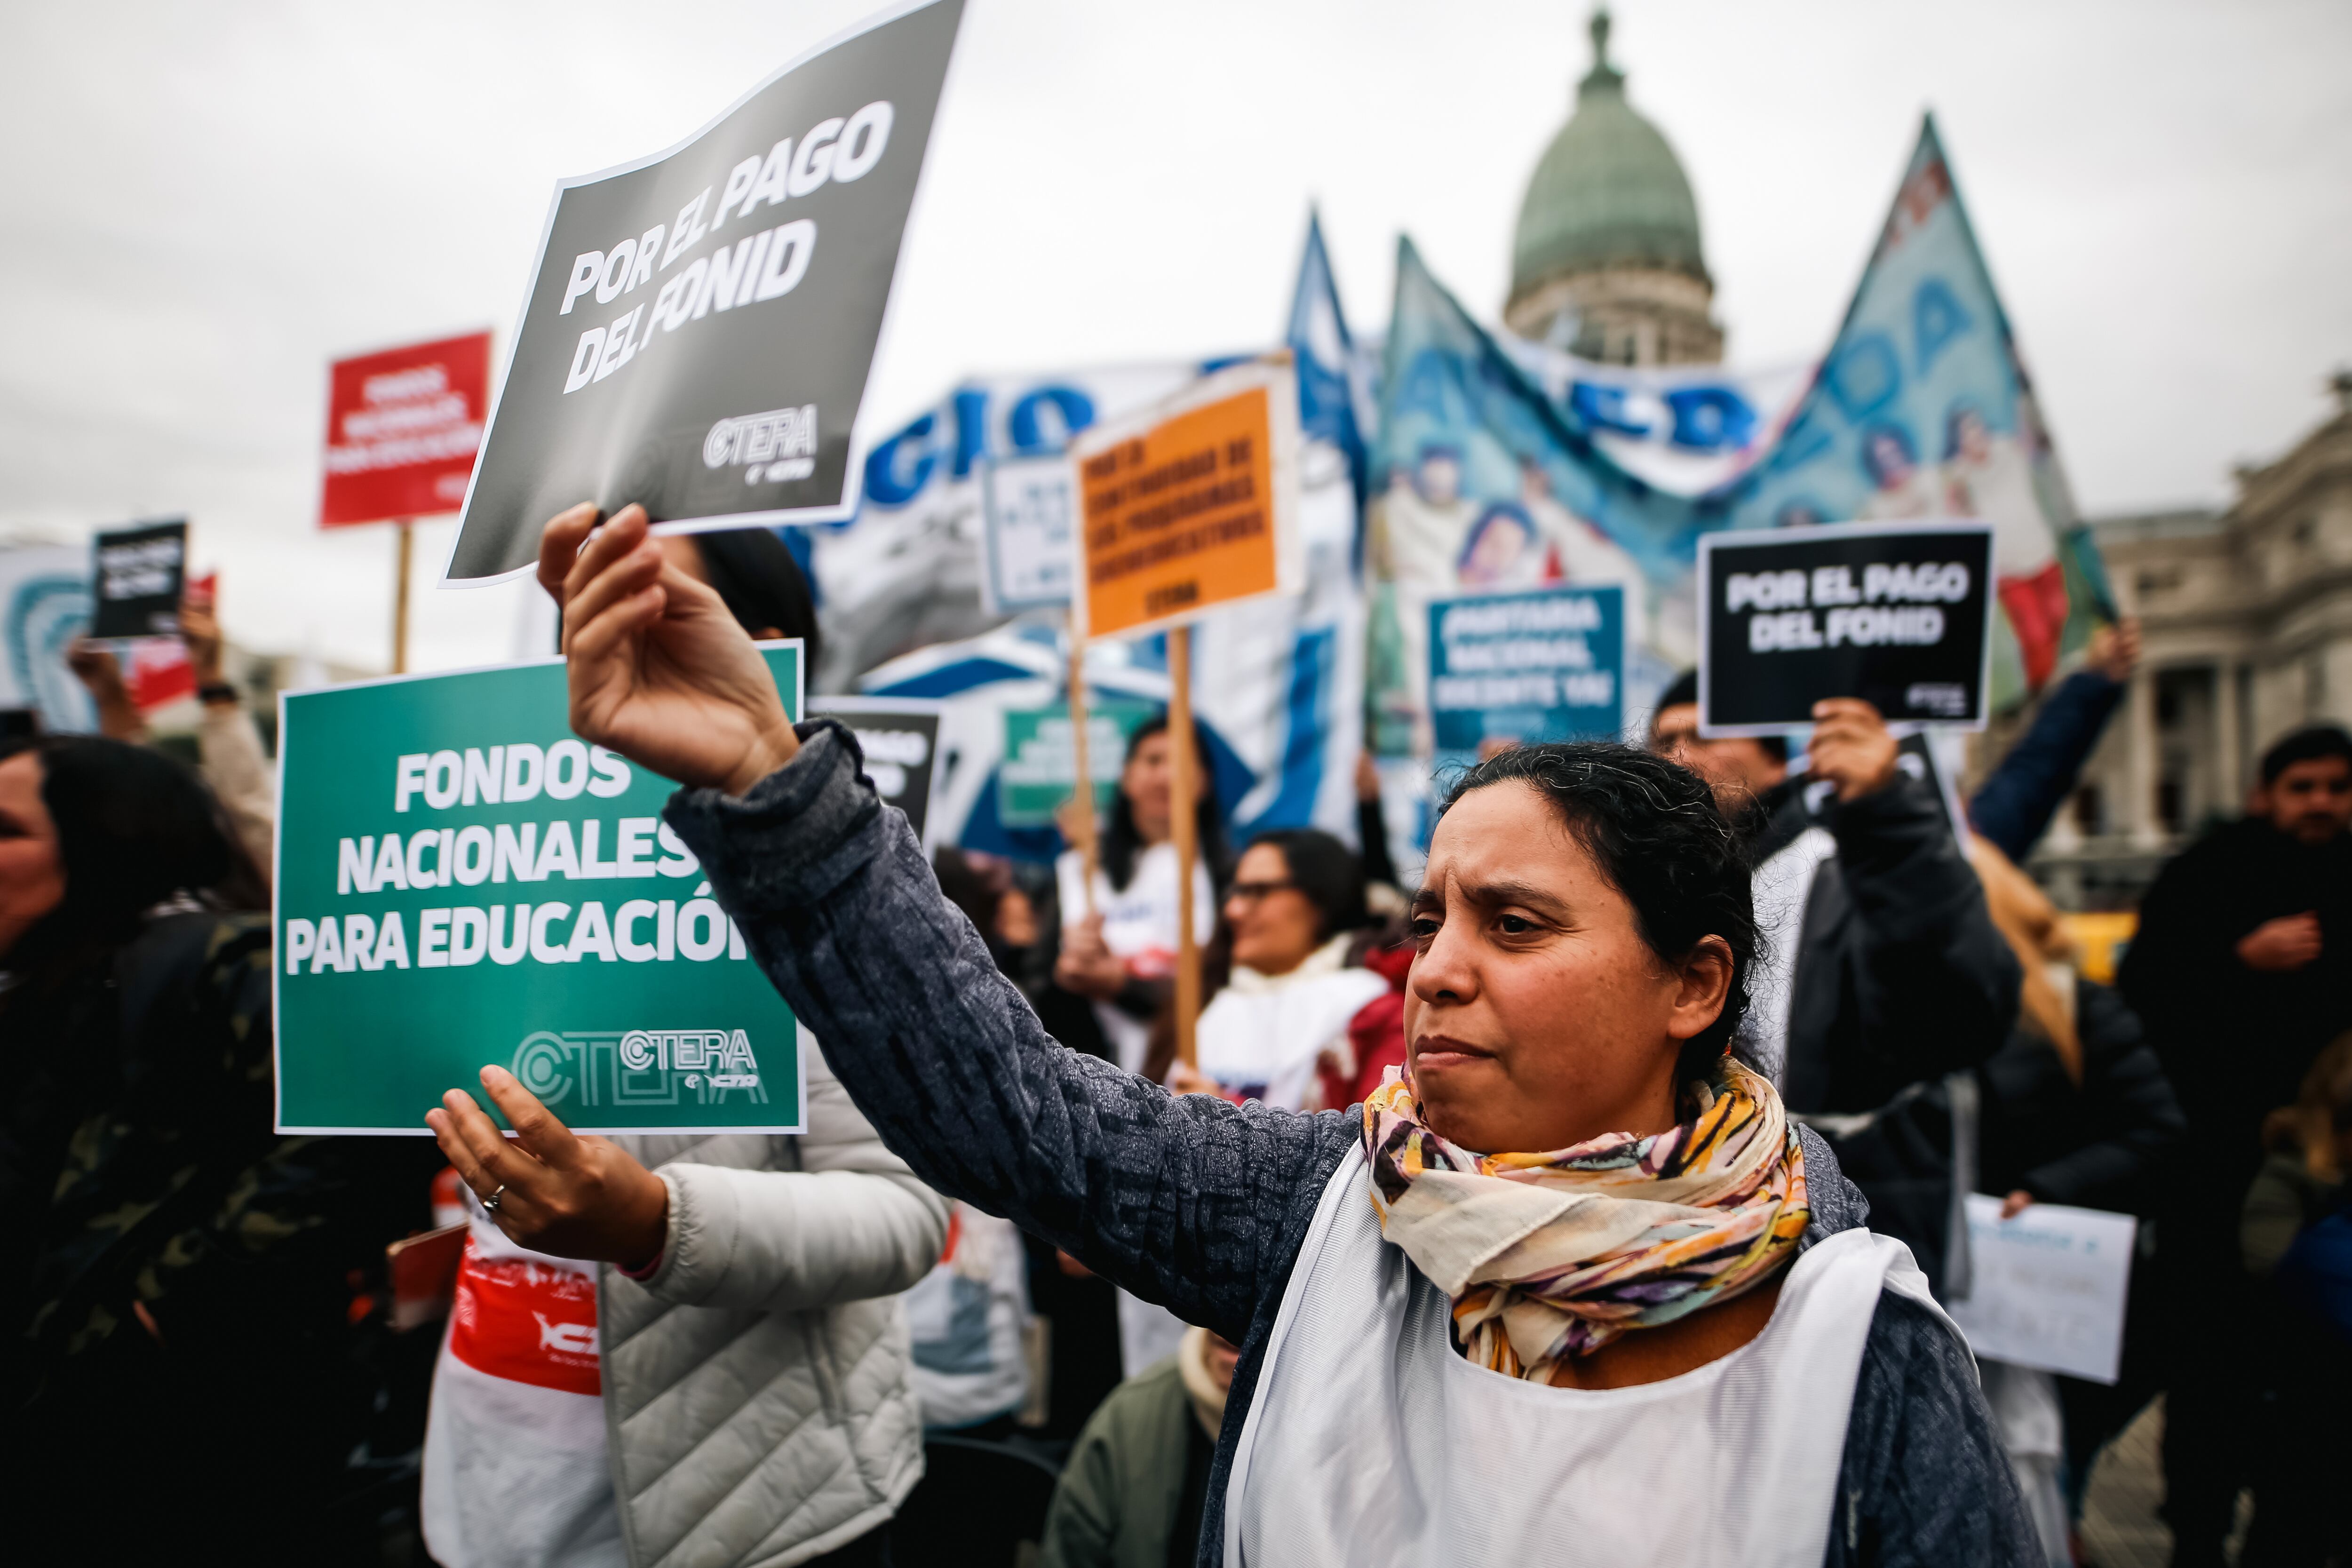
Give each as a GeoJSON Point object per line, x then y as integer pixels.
{"type": "Point", "coordinates": [1187, 1201]}
{"type": "Point", "coordinates": [1924, 1483]}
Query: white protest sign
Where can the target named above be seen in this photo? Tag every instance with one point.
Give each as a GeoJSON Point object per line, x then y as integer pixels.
{"type": "Point", "coordinates": [1026, 507]}
{"type": "Point", "coordinates": [2047, 1288]}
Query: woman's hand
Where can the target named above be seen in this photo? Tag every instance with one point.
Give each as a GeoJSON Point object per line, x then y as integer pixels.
{"type": "Point", "coordinates": [659, 670]}
{"type": "Point", "coordinates": [1850, 747]}
{"type": "Point", "coordinates": [200, 629]}
{"type": "Point", "coordinates": [563, 1194]}
{"type": "Point", "coordinates": [2016, 1203]}
{"type": "Point", "coordinates": [1086, 967]}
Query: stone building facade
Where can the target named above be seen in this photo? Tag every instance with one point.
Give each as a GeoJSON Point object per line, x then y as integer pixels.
{"type": "Point", "coordinates": [2246, 616]}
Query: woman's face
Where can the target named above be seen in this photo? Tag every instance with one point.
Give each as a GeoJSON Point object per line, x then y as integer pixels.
{"type": "Point", "coordinates": [1496, 552]}
{"type": "Point", "coordinates": [32, 871]}
{"type": "Point", "coordinates": [1147, 787]}
{"type": "Point", "coordinates": [1275, 925]}
{"type": "Point", "coordinates": [1536, 1017]}
{"type": "Point", "coordinates": [1894, 465]}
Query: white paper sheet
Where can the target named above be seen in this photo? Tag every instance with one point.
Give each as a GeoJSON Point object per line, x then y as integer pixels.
{"type": "Point", "coordinates": [2049, 1287]}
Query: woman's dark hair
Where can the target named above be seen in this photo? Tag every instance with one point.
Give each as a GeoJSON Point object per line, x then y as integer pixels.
{"type": "Point", "coordinates": [763, 584]}
{"type": "Point", "coordinates": [1121, 843]}
{"type": "Point", "coordinates": [134, 828]}
{"type": "Point", "coordinates": [1653, 827]}
{"type": "Point", "coordinates": [1327, 872]}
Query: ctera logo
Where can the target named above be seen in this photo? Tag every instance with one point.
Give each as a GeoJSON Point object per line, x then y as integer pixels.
{"type": "Point", "coordinates": [639, 1066]}
{"type": "Point", "coordinates": [780, 445]}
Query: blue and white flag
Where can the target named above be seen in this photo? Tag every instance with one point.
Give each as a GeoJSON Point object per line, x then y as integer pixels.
{"type": "Point", "coordinates": [1486, 485]}
{"type": "Point", "coordinates": [1923, 408]}
{"type": "Point", "coordinates": [1276, 692]}
{"type": "Point", "coordinates": [1276, 685]}
{"type": "Point", "coordinates": [1334, 380]}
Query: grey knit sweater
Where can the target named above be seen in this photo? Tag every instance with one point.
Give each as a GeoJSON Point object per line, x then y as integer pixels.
{"type": "Point", "coordinates": [1190, 1200]}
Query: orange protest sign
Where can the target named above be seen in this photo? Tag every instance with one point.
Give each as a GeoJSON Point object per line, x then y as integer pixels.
{"type": "Point", "coordinates": [1192, 506]}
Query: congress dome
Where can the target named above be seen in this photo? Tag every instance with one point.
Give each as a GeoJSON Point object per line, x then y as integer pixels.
{"type": "Point", "coordinates": [1607, 260]}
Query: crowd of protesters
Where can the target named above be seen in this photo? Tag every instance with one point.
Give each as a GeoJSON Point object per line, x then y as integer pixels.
{"type": "Point", "coordinates": [1676, 1051]}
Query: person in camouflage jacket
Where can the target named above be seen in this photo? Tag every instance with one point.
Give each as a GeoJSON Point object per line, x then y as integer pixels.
{"type": "Point", "coordinates": [184, 1313]}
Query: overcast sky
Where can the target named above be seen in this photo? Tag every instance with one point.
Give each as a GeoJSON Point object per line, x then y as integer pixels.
{"type": "Point", "coordinates": [204, 204]}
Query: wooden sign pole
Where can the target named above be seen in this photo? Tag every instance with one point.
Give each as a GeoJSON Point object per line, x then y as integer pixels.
{"type": "Point", "coordinates": [1183, 789]}
{"type": "Point", "coordinates": [400, 597]}
{"type": "Point", "coordinates": [1084, 797]}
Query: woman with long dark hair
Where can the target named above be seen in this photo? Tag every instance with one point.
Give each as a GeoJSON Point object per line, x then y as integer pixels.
{"type": "Point", "coordinates": [1572, 1286]}
{"type": "Point", "coordinates": [179, 1321]}
{"type": "Point", "coordinates": [1122, 955]}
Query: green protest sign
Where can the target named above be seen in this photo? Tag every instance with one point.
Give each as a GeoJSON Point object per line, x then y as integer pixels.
{"type": "Point", "coordinates": [1041, 765]}
{"type": "Point", "coordinates": [461, 881]}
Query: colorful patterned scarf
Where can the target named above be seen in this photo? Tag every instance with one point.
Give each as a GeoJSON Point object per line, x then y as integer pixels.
{"type": "Point", "coordinates": [1551, 1256]}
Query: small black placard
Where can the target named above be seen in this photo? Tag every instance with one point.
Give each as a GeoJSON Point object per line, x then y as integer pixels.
{"type": "Point", "coordinates": [1894, 614]}
{"type": "Point", "coordinates": [139, 574]}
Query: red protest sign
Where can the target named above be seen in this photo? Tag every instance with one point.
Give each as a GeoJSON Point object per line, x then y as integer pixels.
{"type": "Point", "coordinates": [402, 429]}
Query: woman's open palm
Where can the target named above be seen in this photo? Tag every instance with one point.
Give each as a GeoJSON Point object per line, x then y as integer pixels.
{"type": "Point", "coordinates": [659, 670]}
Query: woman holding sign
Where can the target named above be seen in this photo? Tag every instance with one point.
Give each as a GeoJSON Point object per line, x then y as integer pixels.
{"type": "Point", "coordinates": [1573, 1289]}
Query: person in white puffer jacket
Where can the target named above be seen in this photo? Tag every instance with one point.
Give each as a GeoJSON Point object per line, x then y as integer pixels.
{"type": "Point", "coordinates": [740, 1399]}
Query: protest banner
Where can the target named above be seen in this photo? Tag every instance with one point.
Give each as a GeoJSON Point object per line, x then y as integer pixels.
{"type": "Point", "coordinates": [45, 599]}
{"type": "Point", "coordinates": [402, 426]}
{"type": "Point", "coordinates": [2047, 1288]}
{"type": "Point", "coordinates": [1187, 508]}
{"type": "Point", "coordinates": [1026, 506]}
{"type": "Point", "coordinates": [1542, 666]}
{"type": "Point", "coordinates": [700, 324]}
{"type": "Point", "coordinates": [139, 574]}
{"type": "Point", "coordinates": [1190, 506]}
{"type": "Point", "coordinates": [1040, 767]}
{"type": "Point", "coordinates": [1923, 408]}
{"type": "Point", "coordinates": [900, 739]}
{"type": "Point", "coordinates": [1894, 614]}
{"type": "Point", "coordinates": [405, 963]}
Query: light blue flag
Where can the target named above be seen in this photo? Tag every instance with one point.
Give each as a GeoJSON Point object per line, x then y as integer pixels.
{"type": "Point", "coordinates": [1923, 408]}
{"type": "Point", "coordinates": [1333, 399]}
{"type": "Point", "coordinates": [1484, 484]}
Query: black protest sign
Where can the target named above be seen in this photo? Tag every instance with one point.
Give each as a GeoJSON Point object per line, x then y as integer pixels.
{"type": "Point", "coordinates": [1895, 614]}
{"type": "Point", "coordinates": [700, 323]}
{"type": "Point", "coordinates": [900, 739]}
{"type": "Point", "coordinates": [139, 574]}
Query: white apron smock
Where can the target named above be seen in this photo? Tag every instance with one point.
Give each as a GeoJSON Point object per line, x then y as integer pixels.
{"type": "Point", "coordinates": [1371, 1439]}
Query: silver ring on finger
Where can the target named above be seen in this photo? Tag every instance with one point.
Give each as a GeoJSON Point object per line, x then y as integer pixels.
{"type": "Point", "coordinates": [491, 1203]}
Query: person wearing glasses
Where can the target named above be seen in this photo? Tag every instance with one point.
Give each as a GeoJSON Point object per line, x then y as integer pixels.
{"type": "Point", "coordinates": [1292, 1006]}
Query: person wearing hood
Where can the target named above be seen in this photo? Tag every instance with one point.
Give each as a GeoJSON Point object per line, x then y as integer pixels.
{"type": "Point", "coordinates": [1572, 1281]}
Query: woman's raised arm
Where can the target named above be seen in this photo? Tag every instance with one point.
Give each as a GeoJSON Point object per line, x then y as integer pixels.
{"type": "Point", "coordinates": [1188, 1201]}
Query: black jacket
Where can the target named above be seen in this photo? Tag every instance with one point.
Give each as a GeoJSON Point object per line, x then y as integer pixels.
{"type": "Point", "coordinates": [2098, 1146]}
{"type": "Point", "coordinates": [2236, 1042]}
{"type": "Point", "coordinates": [1900, 974]}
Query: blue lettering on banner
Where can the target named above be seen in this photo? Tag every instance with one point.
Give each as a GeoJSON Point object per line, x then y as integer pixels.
{"type": "Point", "coordinates": [1600, 408]}
{"type": "Point", "coordinates": [1709, 418]}
{"type": "Point", "coordinates": [1865, 377]}
{"type": "Point", "coordinates": [889, 484]}
{"type": "Point", "coordinates": [1936, 318]}
{"type": "Point", "coordinates": [972, 427]}
{"type": "Point", "coordinates": [1074, 409]}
